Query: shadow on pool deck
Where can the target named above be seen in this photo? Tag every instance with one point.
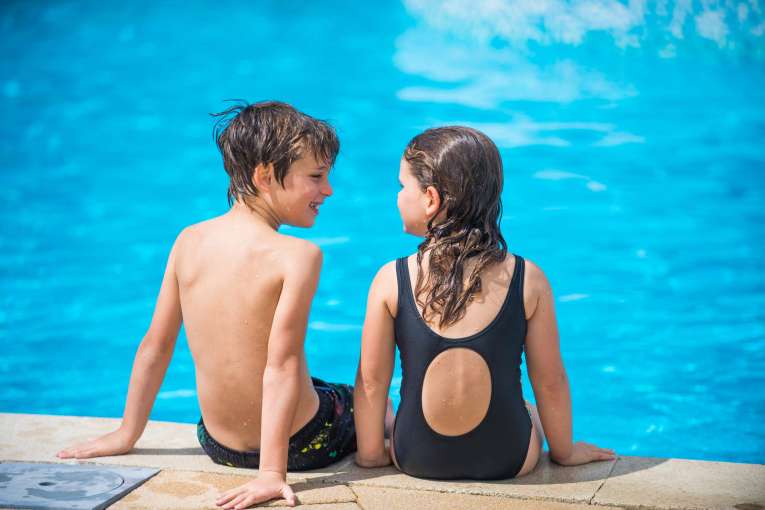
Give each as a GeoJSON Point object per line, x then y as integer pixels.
{"type": "Point", "coordinates": [167, 451]}
{"type": "Point", "coordinates": [189, 479]}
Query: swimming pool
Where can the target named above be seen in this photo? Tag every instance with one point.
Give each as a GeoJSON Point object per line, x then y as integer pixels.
{"type": "Point", "coordinates": [632, 141]}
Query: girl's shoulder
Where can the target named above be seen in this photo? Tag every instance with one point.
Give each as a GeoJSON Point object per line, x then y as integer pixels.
{"type": "Point", "coordinates": [536, 287]}
{"type": "Point", "coordinates": [535, 277]}
{"type": "Point", "coordinates": [384, 288]}
{"type": "Point", "coordinates": [388, 271]}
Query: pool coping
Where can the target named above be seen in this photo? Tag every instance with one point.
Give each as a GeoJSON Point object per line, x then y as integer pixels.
{"type": "Point", "coordinates": [189, 479]}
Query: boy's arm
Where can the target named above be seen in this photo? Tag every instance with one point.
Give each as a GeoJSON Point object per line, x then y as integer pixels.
{"type": "Point", "coordinates": [378, 348]}
{"type": "Point", "coordinates": [149, 368]}
{"type": "Point", "coordinates": [281, 377]}
{"type": "Point", "coordinates": [281, 380]}
{"type": "Point", "coordinates": [549, 379]}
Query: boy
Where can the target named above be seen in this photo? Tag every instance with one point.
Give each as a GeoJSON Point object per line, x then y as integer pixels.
{"type": "Point", "coordinates": [243, 291]}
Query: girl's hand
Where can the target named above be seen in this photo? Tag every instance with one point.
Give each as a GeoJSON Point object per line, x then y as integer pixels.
{"type": "Point", "coordinates": [268, 485]}
{"type": "Point", "coordinates": [118, 442]}
{"type": "Point", "coordinates": [373, 462]}
{"type": "Point", "coordinates": [583, 453]}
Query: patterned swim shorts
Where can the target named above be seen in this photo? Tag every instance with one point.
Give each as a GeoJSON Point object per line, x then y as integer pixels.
{"type": "Point", "coordinates": [328, 437]}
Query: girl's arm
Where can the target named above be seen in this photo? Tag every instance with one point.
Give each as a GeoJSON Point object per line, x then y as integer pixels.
{"type": "Point", "coordinates": [548, 376]}
{"type": "Point", "coordinates": [370, 396]}
{"type": "Point", "coordinates": [149, 367]}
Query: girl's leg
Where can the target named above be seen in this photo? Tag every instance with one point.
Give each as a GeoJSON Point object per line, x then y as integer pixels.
{"type": "Point", "coordinates": [535, 442]}
{"type": "Point", "coordinates": [390, 417]}
{"type": "Point", "coordinates": [393, 452]}
{"type": "Point", "coordinates": [536, 421]}
{"type": "Point", "coordinates": [390, 422]}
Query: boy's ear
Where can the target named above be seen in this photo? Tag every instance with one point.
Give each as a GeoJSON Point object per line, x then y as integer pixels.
{"type": "Point", "coordinates": [432, 201]}
{"type": "Point", "coordinates": [263, 176]}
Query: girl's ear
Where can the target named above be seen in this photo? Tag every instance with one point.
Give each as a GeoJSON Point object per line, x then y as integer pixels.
{"type": "Point", "coordinates": [432, 199]}
{"type": "Point", "coordinates": [263, 176]}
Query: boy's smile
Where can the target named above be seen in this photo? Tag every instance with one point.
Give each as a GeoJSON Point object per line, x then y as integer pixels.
{"type": "Point", "coordinates": [315, 207]}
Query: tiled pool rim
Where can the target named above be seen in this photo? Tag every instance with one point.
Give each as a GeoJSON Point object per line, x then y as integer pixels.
{"type": "Point", "coordinates": [190, 480]}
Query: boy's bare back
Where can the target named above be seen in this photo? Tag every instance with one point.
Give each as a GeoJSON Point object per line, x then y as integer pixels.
{"type": "Point", "coordinates": [230, 272]}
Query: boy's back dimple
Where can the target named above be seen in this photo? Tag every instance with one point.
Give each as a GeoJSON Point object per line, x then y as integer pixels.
{"type": "Point", "coordinates": [229, 278]}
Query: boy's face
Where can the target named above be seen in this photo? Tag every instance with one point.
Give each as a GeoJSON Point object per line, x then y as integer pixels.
{"type": "Point", "coordinates": [306, 186]}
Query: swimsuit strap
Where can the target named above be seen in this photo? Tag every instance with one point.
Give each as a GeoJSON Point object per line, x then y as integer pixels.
{"type": "Point", "coordinates": [402, 279]}
{"type": "Point", "coordinates": [516, 285]}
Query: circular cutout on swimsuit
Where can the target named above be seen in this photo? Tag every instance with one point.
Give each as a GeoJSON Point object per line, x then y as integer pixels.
{"type": "Point", "coordinates": [456, 391]}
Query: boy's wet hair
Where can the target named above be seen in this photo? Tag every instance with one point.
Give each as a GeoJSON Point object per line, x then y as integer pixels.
{"type": "Point", "coordinates": [269, 132]}
{"type": "Point", "coordinates": [465, 167]}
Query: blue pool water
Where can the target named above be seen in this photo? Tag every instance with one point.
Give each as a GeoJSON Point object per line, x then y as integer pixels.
{"type": "Point", "coordinates": [632, 136]}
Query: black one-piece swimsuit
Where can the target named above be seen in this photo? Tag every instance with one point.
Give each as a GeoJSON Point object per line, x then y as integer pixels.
{"type": "Point", "coordinates": [497, 447]}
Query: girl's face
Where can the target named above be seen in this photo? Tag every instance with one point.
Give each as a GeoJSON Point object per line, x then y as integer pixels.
{"type": "Point", "coordinates": [412, 202]}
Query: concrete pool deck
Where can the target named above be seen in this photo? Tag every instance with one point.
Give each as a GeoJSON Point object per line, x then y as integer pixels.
{"type": "Point", "coordinates": [189, 479]}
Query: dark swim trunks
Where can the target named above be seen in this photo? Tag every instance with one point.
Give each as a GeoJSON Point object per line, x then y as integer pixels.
{"type": "Point", "coordinates": [328, 437]}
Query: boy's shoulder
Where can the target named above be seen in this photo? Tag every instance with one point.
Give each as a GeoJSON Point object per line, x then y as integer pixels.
{"type": "Point", "coordinates": [195, 236]}
{"type": "Point", "coordinates": [296, 249]}
{"type": "Point", "coordinates": [298, 258]}
{"type": "Point", "coordinates": [281, 250]}
{"type": "Point", "coordinates": [190, 234]}
{"type": "Point", "coordinates": [196, 230]}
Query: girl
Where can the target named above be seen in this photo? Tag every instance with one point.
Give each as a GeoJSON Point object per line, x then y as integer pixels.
{"type": "Point", "coordinates": [461, 311]}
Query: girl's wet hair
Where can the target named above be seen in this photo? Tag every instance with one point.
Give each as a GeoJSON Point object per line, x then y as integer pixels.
{"type": "Point", "coordinates": [266, 133]}
{"type": "Point", "coordinates": [465, 167]}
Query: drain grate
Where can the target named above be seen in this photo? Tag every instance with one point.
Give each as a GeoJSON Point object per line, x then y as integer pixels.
{"type": "Point", "coordinates": [67, 486]}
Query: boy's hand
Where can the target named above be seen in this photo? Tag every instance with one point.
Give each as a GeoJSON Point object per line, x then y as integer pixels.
{"type": "Point", "coordinates": [114, 443]}
{"type": "Point", "coordinates": [268, 485]}
{"type": "Point", "coordinates": [583, 453]}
